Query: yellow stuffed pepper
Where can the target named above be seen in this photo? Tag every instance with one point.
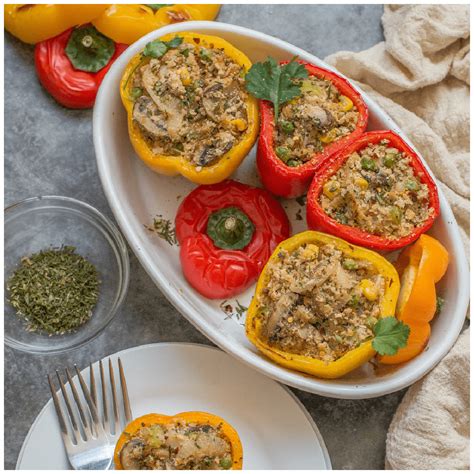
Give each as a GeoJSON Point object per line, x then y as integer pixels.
{"type": "Point", "coordinates": [35, 23]}
{"type": "Point", "coordinates": [188, 110]}
{"type": "Point", "coordinates": [150, 442]}
{"type": "Point", "coordinates": [128, 23]}
{"type": "Point", "coordinates": [317, 302]}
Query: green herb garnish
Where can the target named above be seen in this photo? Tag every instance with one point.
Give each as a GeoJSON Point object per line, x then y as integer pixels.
{"type": "Point", "coordinates": [55, 290]}
{"type": "Point", "coordinates": [205, 54]}
{"type": "Point", "coordinates": [275, 83]}
{"type": "Point", "coordinates": [439, 304]}
{"type": "Point", "coordinates": [157, 48]}
{"type": "Point", "coordinates": [390, 335]}
{"type": "Point", "coordinates": [164, 229]}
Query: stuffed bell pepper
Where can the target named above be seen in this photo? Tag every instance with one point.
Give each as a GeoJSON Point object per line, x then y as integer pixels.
{"type": "Point", "coordinates": [375, 193]}
{"type": "Point", "coordinates": [186, 441]}
{"type": "Point", "coordinates": [321, 303]}
{"type": "Point", "coordinates": [307, 114]}
{"type": "Point", "coordinates": [128, 23]}
{"type": "Point", "coordinates": [227, 232]}
{"type": "Point", "coordinates": [188, 110]}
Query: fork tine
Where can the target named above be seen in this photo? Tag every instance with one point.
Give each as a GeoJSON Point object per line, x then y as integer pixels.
{"type": "Point", "coordinates": [126, 400]}
{"type": "Point", "coordinates": [87, 396]}
{"type": "Point", "coordinates": [57, 406]}
{"type": "Point", "coordinates": [114, 397]}
{"type": "Point", "coordinates": [69, 408]}
{"type": "Point", "coordinates": [104, 397]}
{"type": "Point", "coordinates": [93, 386]}
{"type": "Point", "coordinates": [85, 424]}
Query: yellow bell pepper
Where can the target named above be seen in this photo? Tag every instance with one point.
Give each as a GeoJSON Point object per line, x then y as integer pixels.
{"type": "Point", "coordinates": [420, 266]}
{"type": "Point", "coordinates": [352, 359]}
{"type": "Point", "coordinates": [185, 417]}
{"type": "Point", "coordinates": [173, 165]}
{"type": "Point", "coordinates": [35, 23]}
{"type": "Point", "coordinates": [127, 23]}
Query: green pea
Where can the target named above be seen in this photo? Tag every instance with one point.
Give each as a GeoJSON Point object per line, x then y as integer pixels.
{"type": "Point", "coordinates": [389, 161]}
{"type": "Point", "coordinates": [412, 185]}
{"type": "Point", "coordinates": [368, 164]}
{"type": "Point", "coordinates": [292, 163]}
{"type": "Point", "coordinates": [349, 264]}
{"type": "Point", "coordinates": [136, 92]}
{"type": "Point", "coordinates": [283, 153]}
{"type": "Point", "coordinates": [287, 127]}
{"type": "Point", "coordinates": [226, 463]}
{"type": "Point", "coordinates": [396, 214]}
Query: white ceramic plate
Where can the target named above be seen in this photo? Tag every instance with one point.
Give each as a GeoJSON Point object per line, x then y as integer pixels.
{"type": "Point", "coordinates": [275, 429]}
{"type": "Point", "coordinates": [136, 194]}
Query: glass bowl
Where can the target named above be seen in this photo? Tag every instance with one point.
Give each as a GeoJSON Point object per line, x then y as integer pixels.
{"type": "Point", "coordinates": [52, 221]}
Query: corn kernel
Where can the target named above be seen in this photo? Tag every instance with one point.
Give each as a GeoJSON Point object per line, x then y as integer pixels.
{"type": "Point", "coordinates": [331, 188]}
{"type": "Point", "coordinates": [322, 353]}
{"type": "Point", "coordinates": [291, 319]}
{"type": "Point", "coordinates": [310, 251]}
{"type": "Point", "coordinates": [185, 77]}
{"type": "Point", "coordinates": [239, 124]}
{"type": "Point", "coordinates": [369, 290]}
{"type": "Point", "coordinates": [362, 183]}
{"type": "Point", "coordinates": [329, 137]}
{"type": "Point", "coordinates": [345, 103]}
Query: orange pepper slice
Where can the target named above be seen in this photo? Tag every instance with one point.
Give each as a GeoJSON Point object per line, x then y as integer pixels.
{"type": "Point", "coordinates": [420, 266]}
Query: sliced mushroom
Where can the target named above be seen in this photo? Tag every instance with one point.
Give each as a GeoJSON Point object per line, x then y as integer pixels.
{"type": "Point", "coordinates": [223, 142]}
{"type": "Point", "coordinates": [320, 118]}
{"type": "Point", "coordinates": [130, 455]}
{"type": "Point", "coordinates": [148, 117]}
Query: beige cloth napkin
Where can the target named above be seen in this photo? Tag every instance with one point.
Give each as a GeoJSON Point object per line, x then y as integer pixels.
{"type": "Point", "coordinates": [420, 76]}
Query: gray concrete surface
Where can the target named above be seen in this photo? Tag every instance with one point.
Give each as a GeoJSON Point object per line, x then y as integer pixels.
{"type": "Point", "coordinates": [49, 150]}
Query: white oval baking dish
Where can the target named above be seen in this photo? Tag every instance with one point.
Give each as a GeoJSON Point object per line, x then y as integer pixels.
{"type": "Point", "coordinates": [136, 194]}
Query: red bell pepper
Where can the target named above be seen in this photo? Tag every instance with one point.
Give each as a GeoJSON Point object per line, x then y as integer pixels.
{"type": "Point", "coordinates": [287, 181]}
{"type": "Point", "coordinates": [317, 219]}
{"type": "Point", "coordinates": [227, 232]}
{"type": "Point", "coordinates": [71, 66]}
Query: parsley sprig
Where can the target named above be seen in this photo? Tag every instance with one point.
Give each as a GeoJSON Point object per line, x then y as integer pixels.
{"type": "Point", "coordinates": [274, 82]}
{"type": "Point", "coordinates": [156, 48]}
{"type": "Point", "coordinates": [390, 336]}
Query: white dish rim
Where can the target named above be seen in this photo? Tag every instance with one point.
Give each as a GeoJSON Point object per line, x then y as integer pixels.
{"type": "Point", "coordinates": [257, 361]}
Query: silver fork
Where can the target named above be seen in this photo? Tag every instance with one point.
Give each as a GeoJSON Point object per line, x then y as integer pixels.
{"type": "Point", "coordinates": [90, 440]}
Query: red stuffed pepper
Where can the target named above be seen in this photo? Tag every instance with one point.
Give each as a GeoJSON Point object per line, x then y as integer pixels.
{"type": "Point", "coordinates": [327, 116]}
{"type": "Point", "coordinates": [71, 66]}
{"type": "Point", "coordinates": [227, 232]}
{"type": "Point", "coordinates": [375, 193]}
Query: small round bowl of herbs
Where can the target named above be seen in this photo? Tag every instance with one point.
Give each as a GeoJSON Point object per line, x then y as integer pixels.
{"type": "Point", "coordinates": [66, 273]}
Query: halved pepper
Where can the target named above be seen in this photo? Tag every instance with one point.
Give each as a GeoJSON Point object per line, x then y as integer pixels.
{"type": "Point", "coordinates": [34, 23]}
{"type": "Point", "coordinates": [420, 267]}
{"type": "Point", "coordinates": [127, 23]}
{"type": "Point", "coordinates": [173, 165]}
{"type": "Point", "coordinates": [318, 220]}
{"type": "Point", "coordinates": [352, 359]}
{"type": "Point", "coordinates": [197, 417]}
{"type": "Point", "coordinates": [287, 181]}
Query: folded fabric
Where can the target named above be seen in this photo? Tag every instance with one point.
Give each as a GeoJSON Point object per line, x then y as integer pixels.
{"type": "Point", "coordinates": [420, 76]}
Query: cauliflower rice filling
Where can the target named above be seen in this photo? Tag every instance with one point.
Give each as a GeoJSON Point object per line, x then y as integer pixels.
{"type": "Point", "coordinates": [319, 303]}
{"type": "Point", "coordinates": [191, 102]}
{"type": "Point", "coordinates": [377, 191]}
{"type": "Point", "coordinates": [177, 446]}
{"type": "Point", "coordinates": [315, 119]}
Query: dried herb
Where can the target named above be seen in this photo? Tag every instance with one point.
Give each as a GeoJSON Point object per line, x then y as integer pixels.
{"type": "Point", "coordinates": [230, 311]}
{"type": "Point", "coordinates": [164, 229]}
{"type": "Point", "coordinates": [55, 290]}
